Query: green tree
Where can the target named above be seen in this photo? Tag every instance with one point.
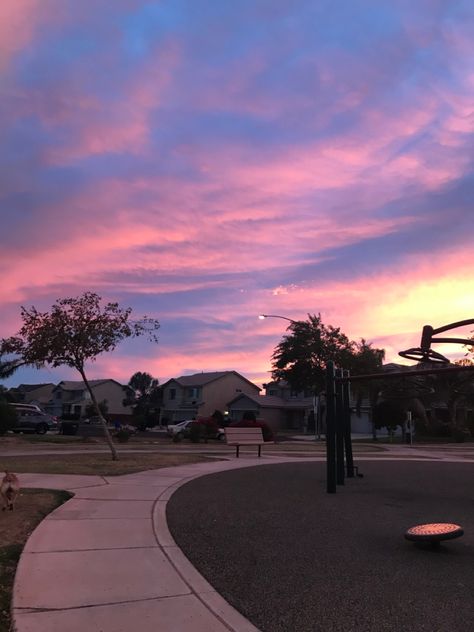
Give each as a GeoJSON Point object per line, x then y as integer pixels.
{"type": "Point", "coordinates": [90, 409]}
{"type": "Point", "coordinates": [144, 395]}
{"type": "Point", "coordinates": [73, 332]}
{"type": "Point", "coordinates": [367, 361]}
{"type": "Point", "coordinates": [390, 413]}
{"type": "Point", "coordinates": [456, 391]}
{"type": "Point", "coordinates": [8, 367]}
{"type": "Point", "coordinates": [8, 417]}
{"type": "Point", "coordinates": [301, 357]}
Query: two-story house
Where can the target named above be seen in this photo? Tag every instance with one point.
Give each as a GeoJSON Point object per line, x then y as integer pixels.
{"type": "Point", "coordinates": [39, 394]}
{"type": "Point", "coordinates": [281, 407]}
{"type": "Point", "coordinates": [199, 395]}
{"type": "Point", "coordinates": [72, 398]}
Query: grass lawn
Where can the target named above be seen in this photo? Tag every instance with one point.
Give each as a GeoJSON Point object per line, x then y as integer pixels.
{"type": "Point", "coordinates": [95, 464]}
{"type": "Point", "coordinates": [15, 526]}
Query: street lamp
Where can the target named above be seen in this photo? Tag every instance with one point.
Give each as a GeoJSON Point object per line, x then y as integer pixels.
{"type": "Point", "coordinates": [317, 431]}
{"type": "Point", "coordinates": [263, 316]}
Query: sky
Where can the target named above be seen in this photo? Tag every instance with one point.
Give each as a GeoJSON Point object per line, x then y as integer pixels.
{"type": "Point", "coordinates": [205, 161]}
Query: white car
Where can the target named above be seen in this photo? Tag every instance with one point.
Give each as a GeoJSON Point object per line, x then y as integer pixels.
{"type": "Point", "coordinates": [180, 429]}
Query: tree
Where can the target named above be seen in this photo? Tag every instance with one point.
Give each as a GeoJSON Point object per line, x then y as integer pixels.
{"type": "Point", "coordinates": [367, 361]}
{"type": "Point", "coordinates": [90, 409]}
{"type": "Point", "coordinates": [456, 390]}
{"type": "Point", "coordinates": [8, 416]}
{"type": "Point", "coordinates": [390, 413]}
{"type": "Point", "coordinates": [73, 332]}
{"type": "Point", "coordinates": [301, 357]}
{"type": "Point", "coordinates": [8, 367]}
{"type": "Point", "coordinates": [144, 395]}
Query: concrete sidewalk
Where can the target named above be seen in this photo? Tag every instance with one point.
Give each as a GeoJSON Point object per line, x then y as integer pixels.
{"type": "Point", "coordinates": [105, 561]}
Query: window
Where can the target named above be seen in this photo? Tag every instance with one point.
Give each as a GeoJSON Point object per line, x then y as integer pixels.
{"type": "Point", "coordinates": [192, 392]}
{"type": "Point", "coordinates": [172, 393]}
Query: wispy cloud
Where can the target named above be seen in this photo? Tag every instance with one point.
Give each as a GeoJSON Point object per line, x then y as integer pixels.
{"type": "Point", "coordinates": [205, 162]}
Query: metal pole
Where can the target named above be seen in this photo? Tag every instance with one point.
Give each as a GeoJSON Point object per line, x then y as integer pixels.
{"type": "Point", "coordinates": [339, 431]}
{"type": "Point", "coordinates": [347, 426]}
{"type": "Point", "coordinates": [410, 429]}
{"type": "Point", "coordinates": [330, 430]}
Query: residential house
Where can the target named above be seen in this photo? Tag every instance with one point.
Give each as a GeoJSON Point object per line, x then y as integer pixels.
{"type": "Point", "coordinates": [39, 394]}
{"type": "Point", "coordinates": [284, 408]}
{"type": "Point", "coordinates": [199, 395]}
{"type": "Point", "coordinates": [72, 398]}
{"type": "Point", "coordinates": [281, 407]}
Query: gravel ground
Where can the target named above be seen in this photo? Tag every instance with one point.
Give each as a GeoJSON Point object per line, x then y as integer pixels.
{"type": "Point", "coordinates": [292, 558]}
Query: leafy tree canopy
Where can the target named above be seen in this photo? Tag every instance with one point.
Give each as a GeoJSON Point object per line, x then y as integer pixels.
{"type": "Point", "coordinates": [145, 396]}
{"type": "Point", "coordinates": [301, 357]}
{"type": "Point", "coordinates": [74, 331]}
{"type": "Point", "coordinates": [143, 384]}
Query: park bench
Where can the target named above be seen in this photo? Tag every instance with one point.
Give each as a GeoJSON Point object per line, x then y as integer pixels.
{"type": "Point", "coordinates": [244, 436]}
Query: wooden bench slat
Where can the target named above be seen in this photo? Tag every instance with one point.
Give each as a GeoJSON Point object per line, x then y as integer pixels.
{"type": "Point", "coordinates": [244, 436]}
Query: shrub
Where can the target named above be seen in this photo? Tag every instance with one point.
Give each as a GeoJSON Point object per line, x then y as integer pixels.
{"type": "Point", "coordinates": [123, 435]}
{"type": "Point", "coordinates": [195, 432]}
{"type": "Point", "coordinates": [8, 417]}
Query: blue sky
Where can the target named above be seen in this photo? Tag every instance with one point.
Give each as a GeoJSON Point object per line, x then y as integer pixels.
{"type": "Point", "coordinates": [205, 161]}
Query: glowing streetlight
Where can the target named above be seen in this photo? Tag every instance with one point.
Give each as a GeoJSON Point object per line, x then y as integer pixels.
{"type": "Point", "coordinates": [315, 398]}
{"type": "Point", "coordinates": [263, 316]}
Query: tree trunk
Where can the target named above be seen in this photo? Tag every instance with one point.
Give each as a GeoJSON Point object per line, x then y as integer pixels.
{"type": "Point", "coordinates": [107, 434]}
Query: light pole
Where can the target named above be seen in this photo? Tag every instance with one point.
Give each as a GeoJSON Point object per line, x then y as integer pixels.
{"type": "Point", "coordinates": [263, 316]}
{"type": "Point", "coordinates": [317, 428]}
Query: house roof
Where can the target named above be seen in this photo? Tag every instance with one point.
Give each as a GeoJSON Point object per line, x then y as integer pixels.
{"type": "Point", "coordinates": [78, 385]}
{"type": "Point", "coordinates": [272, 401]}
{"type": "Point", "coordinates": [26, 388]}
{"type": "Point", "coordinates": [200, 379]}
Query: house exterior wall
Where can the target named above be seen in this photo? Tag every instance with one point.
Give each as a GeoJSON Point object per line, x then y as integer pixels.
{"type": "Point", "coordinates": [40, 396]}
{"type": "Point", "coordinates": [114, 394]}
{"type": "Point", "coordinates": [274, 417]}
{"type": "Point", "coordinates": [75, 401]}
{"type": "Point", "coordinates": [187, 402]}
{"type": "Point", "coordinates": [217, 394]}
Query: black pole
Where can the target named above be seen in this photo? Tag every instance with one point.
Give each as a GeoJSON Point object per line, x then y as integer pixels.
{"type": "Point", "coordinates": [347, 426]}
{"type": "Point", "coordinates": [339, 431]}
{"type": "Point", "coordinates": [330, 430]}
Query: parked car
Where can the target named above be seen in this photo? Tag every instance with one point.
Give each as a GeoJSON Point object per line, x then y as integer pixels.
{"type": "Point", "coordinates": [182, 430]}
{"type": "Point", "coordinates": [34, 421]}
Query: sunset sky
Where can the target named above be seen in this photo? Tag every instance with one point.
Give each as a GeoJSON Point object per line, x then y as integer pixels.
{"type": "Point", "coordinates": [204, 161]}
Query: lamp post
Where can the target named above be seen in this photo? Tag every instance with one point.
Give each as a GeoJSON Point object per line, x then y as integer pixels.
{"type": "Point", "coordinates": [263, 316]}
{"type": "Point", "coordinates": [317, 428]}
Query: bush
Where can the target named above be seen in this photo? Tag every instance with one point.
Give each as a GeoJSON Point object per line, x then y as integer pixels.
{"type": "Point", "coordinates": [123, 435]}
{"type": "Point", "coordinates": [69, 427]}
{"type": "Point", "coordinates": [460, 435]}
{"type": "Point", "coordinates": [8, 417]}
{"type": "Point", "coordinates": [195, 432]}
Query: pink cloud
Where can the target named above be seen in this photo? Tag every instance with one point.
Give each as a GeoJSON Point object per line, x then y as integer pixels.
{"type": "Point", "coordinates": [121, 126]}
{"type": "Point", "coordinates": [19, 23]}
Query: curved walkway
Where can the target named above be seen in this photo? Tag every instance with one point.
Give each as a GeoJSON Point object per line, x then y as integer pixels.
{"type": "Point", "coordinates": [106, 561]}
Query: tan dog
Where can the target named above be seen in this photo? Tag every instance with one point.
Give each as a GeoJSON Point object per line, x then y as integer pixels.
{"type": "Point", "coordinates": [9, 490]}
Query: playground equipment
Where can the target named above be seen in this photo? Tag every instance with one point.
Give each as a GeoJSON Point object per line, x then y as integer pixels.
{"type": "Point", "coordinates": [339, 458]}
